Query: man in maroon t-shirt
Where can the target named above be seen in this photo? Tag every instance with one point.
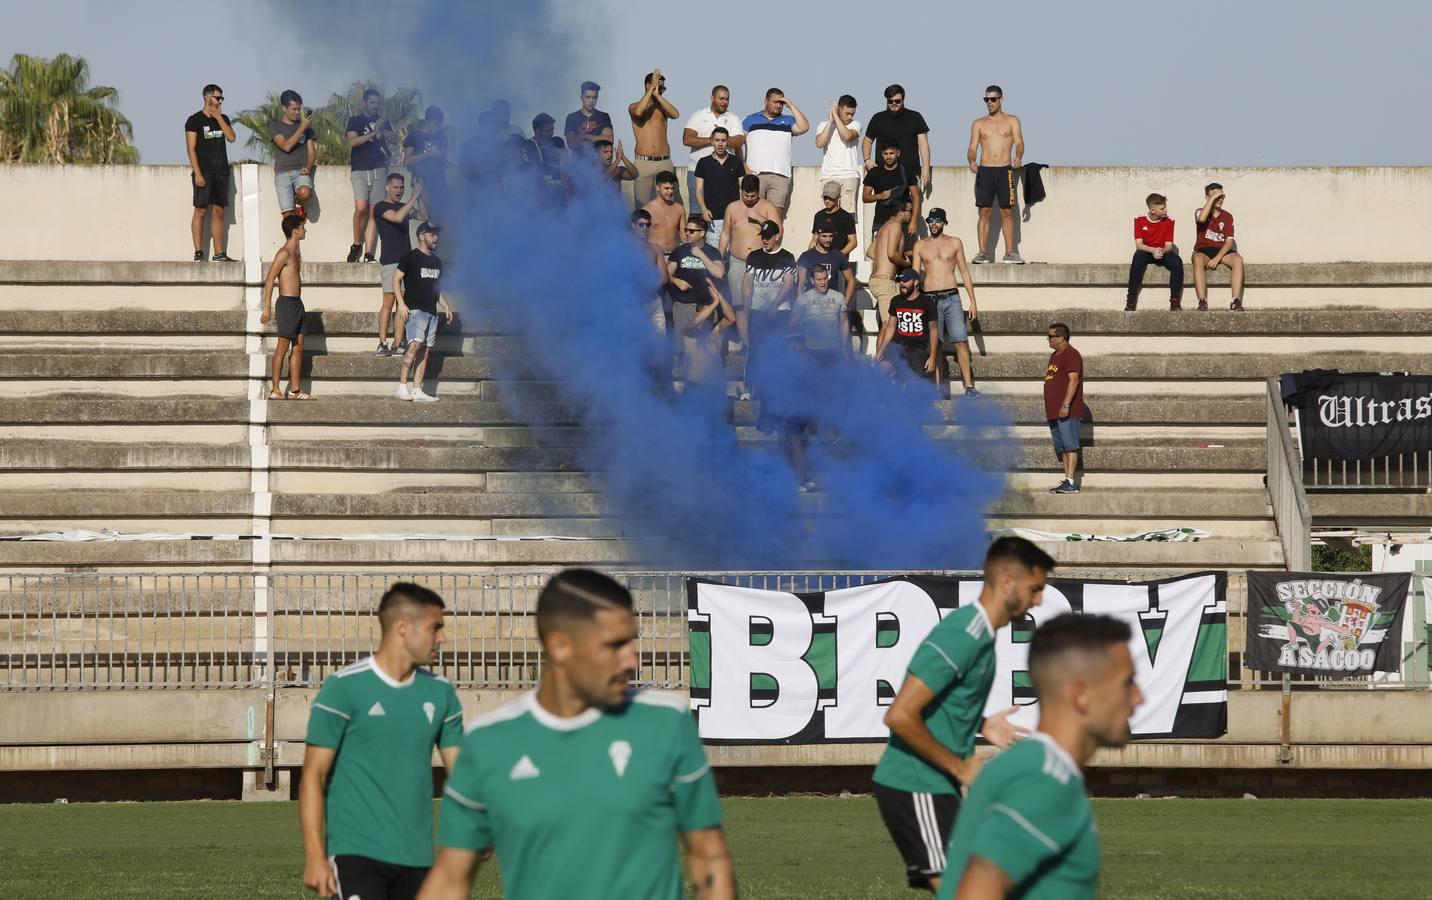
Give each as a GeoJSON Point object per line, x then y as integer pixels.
{"type": "Point", "coordinates": [1153, 245]}
{"type": "Point", "coordinates": [1215, 247]}
{"type": "Point", "coordinates": [1064, 402]}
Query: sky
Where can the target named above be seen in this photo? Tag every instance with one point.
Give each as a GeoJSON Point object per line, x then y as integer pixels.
{"type": "Point", "coordinates": [1104, 82]}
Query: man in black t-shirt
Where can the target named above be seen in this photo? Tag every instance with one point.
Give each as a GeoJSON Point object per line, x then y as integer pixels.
{"type": "Point", "coordinates": [693, 270]}
{"type": "Point", "coordinates": [368, 135]}
{"type": "Point", "coordinates": [911, 324]}
{"type": "Point", "coordinates": [588, 124]}
{"type": "Point", "coordinates": [840, 222]}
{"type": "Point", "coordinates": [904, 128]}
{"type": "Point", "coordinates": [887, 186]}
{"type": "Point", "coordinates": [207, 133]}
{"type": "Point", "coordinates": [836, 265]}
{"type": "Point", "coordinates": [545, 154]}
{"type": "Point", "coordinates": [425, 154]}
{"type": "Point", "coordinates": [718, 183]}
{"type": "Point", "coordinates": [390, 217]}
{"type": "Point", "coordinates": [418, 284]}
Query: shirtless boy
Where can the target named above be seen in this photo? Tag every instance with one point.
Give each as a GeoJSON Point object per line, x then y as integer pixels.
{"type": "Point", "coordinates": [285, 269]}
{"type": "Point", "coordinates": [991, 139]}
{"type": "Point", "coordinates": [667, 213]}
{"type": "Point", "coordinates": [740, 236]}
{"type": "Point", "coordinates": [889, 256]}
{"type": "Point", "coordinates": [649, 118]}
{"type": "Point", "coordinates": [936, 258]}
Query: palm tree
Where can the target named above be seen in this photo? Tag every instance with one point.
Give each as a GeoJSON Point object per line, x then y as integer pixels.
{"type": "Point", "coordinates": [403, 109]}
{"type": "Point", "coordinates": [50, 114]}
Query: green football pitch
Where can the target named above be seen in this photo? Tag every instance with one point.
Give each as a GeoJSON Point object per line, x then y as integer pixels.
{"type": "Point", "coordinates": [784, 847]}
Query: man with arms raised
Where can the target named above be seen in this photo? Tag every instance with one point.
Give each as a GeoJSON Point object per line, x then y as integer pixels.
{"type": "Point", "coordinates": [581, 785]}
{"type": "Point", "coordinates": [418, 286]}
{"type": "Point", "coordinates": [936, 258]}
{"type": "Point", "coordinates": [940, 707]}
{"type": "Point", "coordinates": [667, 213]}
{"type": "Point", "coordinates": [769, 134]}
{"type": "Point", "coordinates": [700, 132]}
{"type": "Point", "coordinates": [889, 256]}
{"type": "Point", "coordinates": [991, 140]}
{"type": "Point", "coordinates": [740, 237]}
{"type": "Point", "coordinates": [367, 830]}
{"type": "Point", "coordinates": [649, 118]}
{"type": "Point", "coordinates": [1027, 829]}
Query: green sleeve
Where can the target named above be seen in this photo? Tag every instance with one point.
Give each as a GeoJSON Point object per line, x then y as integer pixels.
{"type": "Point", "coordinates": [692, 784]}
{"type": "Point", "coordinates": [463, 823]}
{"type": "Point", "coordinates": [943, 658]}
{"type": "Point", "coordinates": [329, 718]}
{"type": "Point", "coordinates": [1032, 821]}
{"type": "Point", "coordinates": [451, 733]}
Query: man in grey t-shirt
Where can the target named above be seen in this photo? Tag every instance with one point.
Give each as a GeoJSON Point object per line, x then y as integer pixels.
{"type": "Point", "coordinates": [294, 157]}
{"type": "Point", "coordinates": [819, 315]}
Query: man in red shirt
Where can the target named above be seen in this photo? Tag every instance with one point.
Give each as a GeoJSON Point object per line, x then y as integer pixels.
{"type": "Point", "coordinates": [1064, 402]}
{"type": "Point", "coordinates": [1215, 247]}
{"type": "Point", "coordinates": [1153, 244]}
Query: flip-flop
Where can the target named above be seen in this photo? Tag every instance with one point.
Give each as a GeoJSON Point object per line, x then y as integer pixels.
{"type": "Point", "coordinates": [275, 395]}
{"type": "Point", "coordinates": [299, 395]}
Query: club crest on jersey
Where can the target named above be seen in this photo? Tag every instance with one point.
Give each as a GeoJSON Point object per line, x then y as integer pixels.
{"type": "Point", "coordinates": [429, 709]}
{"type": "Point", "coordinates": [620, 752]}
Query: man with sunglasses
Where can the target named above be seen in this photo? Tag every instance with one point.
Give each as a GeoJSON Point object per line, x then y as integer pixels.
{"type": "Point", "coordinates": [1064, 402]}
{"type": "Point", "coordinates": [991, 140]}
{"type": "Point", "coordinates": [656, 303]}
{"type": "Point", "coordinates": [896, 124]}
{"type": "Point", "coordinates": [206, 133]}
{"type": "Point", "coordinates": [692, 270]}
{"type": "Point", "coordinates": [936, 258]}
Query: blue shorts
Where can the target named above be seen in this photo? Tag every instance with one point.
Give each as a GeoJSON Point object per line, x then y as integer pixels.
{"type": "Point", "coordinates": [953, 328]}
{"type": "Point", "coordinates": [1065, 433]}
{"type": "Point", "coordinates": [422, 327]}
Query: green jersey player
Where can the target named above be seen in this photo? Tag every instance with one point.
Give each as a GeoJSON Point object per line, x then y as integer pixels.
{"type": "Point", "coordinates": [370, 743]}
{"type": "Point", "coordinates": [940, 707]}
{"type": "Point", "coordinates": [582, 786]}
{"type": "Point", "coordinates": [1027, 829]}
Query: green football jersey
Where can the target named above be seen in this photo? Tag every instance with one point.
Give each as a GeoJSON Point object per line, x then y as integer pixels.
{"type": "Point", "coordinates": [589, 806]}
{"type": "Point", "coordinates": [380, 793]}
{"type": "Point", "coordinates": [1028, 813]}
{"type": "Point", "coordinates": [956, 662]}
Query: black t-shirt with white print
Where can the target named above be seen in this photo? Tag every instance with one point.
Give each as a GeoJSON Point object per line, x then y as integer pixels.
{"type": "Point", "coordinates": [421, 274]}
{"type": "Point", "coordinates": [210, 147]}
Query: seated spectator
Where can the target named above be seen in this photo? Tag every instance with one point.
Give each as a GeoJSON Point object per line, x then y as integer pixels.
{"type": "Point", "coordinates": [699, 130]}
{"type": "Point", "coordinates": [295, 156]}
{"type": "Point", "coordinates": [589, 125]}
{"type": "Point", "coordinates": [839, 137]}
{"type": "Point", "coordinates": [1215, 247]}
{"type": "Point", "coordinates": [418, 285]}
{"type": "Point", "coordinates": [718, 183]}
{"type": "Point", "coordinates": [912, 325]}
{"type": "Point", "coordinates": [769, 134]}
{"type": "Point", "coordinates": [836, 217]}
{"type": "Point", "coordinates": [425, 154]}
{"type": "Point", "coordinates": [887, 185]}
{"type": "Point", "coordinates": [207, 133]}
{"type": "Point", "coordinates": [1153, 244]}
{"type": "Point", "coordinates": [839, 270]}
{"type": "Point", "coordinates": [818, 315]}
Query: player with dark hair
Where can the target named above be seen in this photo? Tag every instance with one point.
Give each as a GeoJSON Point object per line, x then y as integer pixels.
{"type": "Point", "coordinates": [1027, 829]}
{"type": "Point", "coordinates": [582, 784]}
{"type": "Point", "coordinates": [287, 271]}
{"type": "Point", "coordinates": [367, 829]}
{"type": "Point", "coordinates": [940, 707]}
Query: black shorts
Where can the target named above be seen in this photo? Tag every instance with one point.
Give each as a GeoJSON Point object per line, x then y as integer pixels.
{"type": "Point", "coordinates": [1209, 252]}
{"type": "Point", "coordinates": [915, 358]}
{"type": "Point", "coordinates": [288, 314]}
{"type": "Point", "coordinates": [921, 825]}
{"type": "Point", "coordinates": [994, 183]}
{"type": "Point", "coordinates": [215, 191]}
{"type": "Point", "coordinates": [369, 879]}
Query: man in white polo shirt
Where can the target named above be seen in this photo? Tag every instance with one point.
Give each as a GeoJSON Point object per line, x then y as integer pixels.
{"type": "Point", "coordinates": [768, 146]}
{"type": "Point", "coordinates": [697, 136]}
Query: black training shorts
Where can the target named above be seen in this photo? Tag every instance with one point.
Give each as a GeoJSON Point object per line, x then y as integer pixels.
{"type": "Point", "coordinates": [915, 358]}
{"type": "Point", "coordinates": [215, 191]}
{"type": "Point", "coordinates": [369, 879]}
{"type": "Point", "coordinates": [994, 183]}
{"type": "Point", "coordinates": [289, 315]}
{"type": "Point", "coordinates": [921, 826]}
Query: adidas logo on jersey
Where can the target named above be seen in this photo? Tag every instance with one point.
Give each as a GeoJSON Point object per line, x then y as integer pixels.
{"type": "Point", "coordinates": [523, 770]}
{"type": "Point", "coordinates": [376, 710]}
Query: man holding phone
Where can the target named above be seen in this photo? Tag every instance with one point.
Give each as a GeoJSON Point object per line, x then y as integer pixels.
{"type": "Point", "coordinates": [295, 157]}
{"type": "Point", "coordinates": [206, 134]}
{"type": "Point", "coordinates": [368, 135]}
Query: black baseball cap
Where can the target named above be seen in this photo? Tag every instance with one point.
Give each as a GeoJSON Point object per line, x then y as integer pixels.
{"type": "Point", "coordinates": [769, 230]}
{"type": "Point", "coordinates": [429, 227]}
{"type": "Point", "coordinates": [908, 275]}
{"type": "Point", "coordinates": [936, 214]}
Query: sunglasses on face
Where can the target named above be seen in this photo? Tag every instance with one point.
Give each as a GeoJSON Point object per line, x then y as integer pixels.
{"type": "Point", "coordinates": [991, 99]}
{"type": "Point", "coordinates": [218, 99]}
{"type": "Point", "coordinates": [899, 101]}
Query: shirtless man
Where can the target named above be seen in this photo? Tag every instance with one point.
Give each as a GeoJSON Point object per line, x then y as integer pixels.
{"type": "Point", "coordinates": [285, 268]}
{"type": "Point", "coordinates": [649, 118]}
{"type": "Point", "coordinates": [667, 213]}
{"type": "Point", "coordinates": [616, 168]}
{"type": "Point", "coordinates": [936, 258]}
{"type": "Point", "coordinates": [889, 256]}
{"type": "Point", "coordinates": [741, 235]}
{"type": "Point", "coordinates": [992, 138]}
{"type": "Point", "coordinates": [656, 303]}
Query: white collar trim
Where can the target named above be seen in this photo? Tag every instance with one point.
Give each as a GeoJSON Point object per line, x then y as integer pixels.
{"type": "Point", "coordinates": [984, 615]}
{"type": "Point", "coordinates": [558, 723]}
{"type": "Point", "coordinates": [387, 679]}
{"type": "Point", "coordinates": [1049, 742]}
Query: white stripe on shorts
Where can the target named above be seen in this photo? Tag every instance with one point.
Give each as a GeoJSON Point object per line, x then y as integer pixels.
{"type": "Point", "coordinates": [930, 831]}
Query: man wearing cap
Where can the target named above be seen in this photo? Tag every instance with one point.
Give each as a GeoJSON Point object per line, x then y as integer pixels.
{"type": "Point", "coordinates": [839, 271]}
{"type": "Point", "coordinates": [418, 284]}
{"type": "Point", "coordinates": [740, 236]}
{"type": "Point", "coordinates": [700, 130]}
{"type": "Point", "coordinates": [936, 258]}
{"type": "Point", "coordinates": [649, 118]}
{"type": "Point", "coordinates": [889, 256]}
{"type": "Point", "coordinates": [834, 216]}
{"type": "Point", "coordinates": [912, 324]}
{"type": "Point", "coordinates": [769, 284]}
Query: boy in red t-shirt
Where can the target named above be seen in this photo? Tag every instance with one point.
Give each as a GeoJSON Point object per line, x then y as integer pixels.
{"type": "Point", "coordinates": [1215, 247]}
{"type": "Point", "coordinates": [1153, 245]}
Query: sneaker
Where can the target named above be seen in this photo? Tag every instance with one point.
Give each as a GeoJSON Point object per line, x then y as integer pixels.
{"type": "Point", "coordinates": [1175, 306]}
{"type": "Point", "coordinates": [401, 349]}
{"type": "Point", "coordinates": [383, 349]}
{"type": "Point", "coordinates": [1065, 487]}
{"type": "Point", "coordinates": [420, 397]}
{"type": "Point", "coordinates": [1236, 305]}
{"type": "Point", "coordinates": [368, 257]}
{"type": "Point", "coordinates": [353, 252]}
{"type": "Point", "coordinates": [745, 395]}
{"type": "Point", "coordinates": [198, 256]}
{"type": "Point", "coordinates": [1131, 306]}
{"type": "Point", "coordinates": [299, 211]}
{"type": "Point", "coordinates": [807, 486]}
{"type": "Point", "coordinates": [981, 258]}
{"type": "Point", "coordinates": [402, 393]}
{"type": "Point", "coordinates": [1203, 306]}
{"type": "Point", "coordinates": [221, 256]}
{"type": "Point", "coordinates": [971, 393]}
{"type": "Point", "coordinates": [1015, 258]}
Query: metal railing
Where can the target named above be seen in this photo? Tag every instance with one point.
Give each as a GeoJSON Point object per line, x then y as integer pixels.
{"type": "Point", "coordinates": [1402, 472]}
{"type": "Point", "coordinates": [1285, 486]}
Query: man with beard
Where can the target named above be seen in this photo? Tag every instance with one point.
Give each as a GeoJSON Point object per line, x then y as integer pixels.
{"type": "Point", "coordinates": [649, 118]}
{"type": "Point", "coordinates": [936, 258]}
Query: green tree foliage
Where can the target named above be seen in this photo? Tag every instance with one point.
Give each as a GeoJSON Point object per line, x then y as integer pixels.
{"type": "Point", "coordinates": [49, 113]}
{"type": "Point", "coordinates": [404, 108]}
{"type": "Point", "coordinates": [1331, 558]}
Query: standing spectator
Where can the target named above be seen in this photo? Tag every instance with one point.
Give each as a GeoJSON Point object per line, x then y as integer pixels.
{"type": "Point", "coordinates": [768, 287]}
{"type": "Point", "coordinates": [1153, 244]}
{"type": "Point", "coordinates": [992, 138]}
{"type": "Point", "coordinates": [656, 303]}
{"type": "Point", "coordinates": [1064, 403]}
{"type": "Point", "coordinates": [206, 133]}
{"type": "Point", "coordinates": [545, 154]}
{"type": "Point", "coordinates": [912, 323]}
{"type": "Point", "coordinates": [294, 158]}
{"type": "Point", "coordinates": [368, 135]}
{"type": "Point", "coordinates": [768, 146]}
{"type": "Point", "coordinates": [937, 258]}
{"type": "Point", "coordinates": [649, 119]}
{"type": "Point", "coordinates": [418, 284]}
{"type": "Point", "coordinates": [667, 214]}
{"type": "Point", "coordinates": [839, 137]}
{"type": "Point", "coordinates": [745, 221]}
{"type": "Point", "coordinates": [287, 270]}
{"type": "Point", "coordinates": [501, 121]}
{"type": "Point", "coordinates": [425, 154]}
{"type": "Point", "coordinates": [839, 270]}
{"type": "Point", "coordinates": [699, 132]}
{"type": "Point", "coordinates": [718, 183]}
{"type": "Point", "coordinates": [615, 165]}
{"type": "Point", "coordinates": [588, 125]}
{"type": "Point", "coordinates": [835, 217]}
{"type": "Point", "coordinates": [888, 256]}
{"type": "Point", "coordinates": [887, 186]}
{"type": "Point", "coordinates": [1215, 247]}
{"type": "Point", "coordinates": [692, 271]}
{"type": "Point", "coordinates": [897, 124]}
{"type": "Point", "coordinates": [391, 215]}
{"type": "Point", "coordinates": [818, 315]}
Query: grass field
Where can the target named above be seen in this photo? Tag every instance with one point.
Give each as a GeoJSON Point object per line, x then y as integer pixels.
{"type": "Point", "coordinates": [784, 847]}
